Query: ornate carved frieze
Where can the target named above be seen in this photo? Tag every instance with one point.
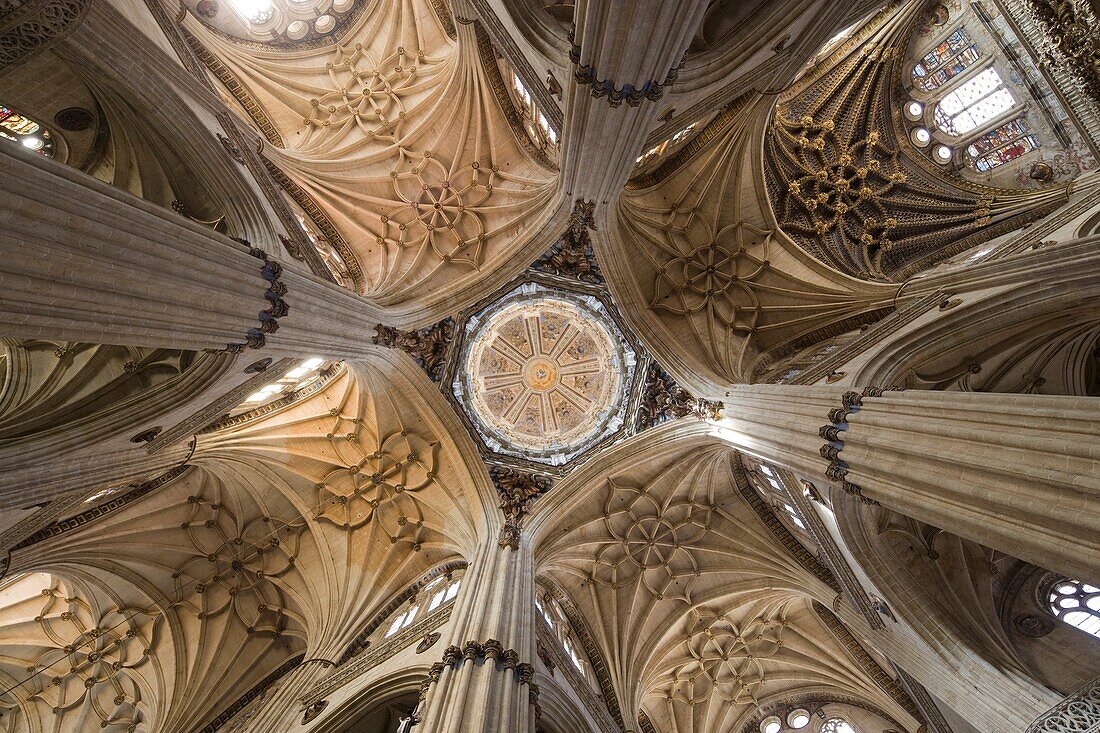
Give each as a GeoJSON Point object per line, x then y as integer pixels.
{"type": "Point", "coordinates": [344, 673]}
{"type": "Point", "coordinates": [831, 555]}
{"type": "Point", "coordinates": [663, 399]}
{"type": "Point", "coordinates": [931, 714]}
{"type": "Point", "coordinates": [427, 345]}
{"type": "Point", "coordinates": [881, 677]}
{"type": "Point", "coordinates": [1071, 37]}
{"type": "Point", "coordinates": [517, 491]}
{"type": "Point", "coordinates": [504, 98]}
{"type": "Point", "coordinates": [101, 510]}
{"type": "Point", "coordinates": [250, 104]}
{"type": "Point", "coordinates": [1078, 713]}
{"type": "Point", "coordinates": [270, 372]}
{"type": "Point", "coordinates": [35, 26]}
{"type": "Point", "coordinates": [361, 641]}
{"type": "Point", "coordinates": [797, 550]}
{"type": "Point", "coordinates": [255, 694]}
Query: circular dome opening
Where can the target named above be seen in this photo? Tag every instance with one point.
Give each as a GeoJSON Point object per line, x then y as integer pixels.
{"type": "Point", "coordinates": [921, 136]}
{"type": "Point", "coordinates": [771, 724]}
{"type": "Point", "coordinates": [544, 374]}
{"type": "Point", "coordinates": [914, 110]}
{"type": "Point", "coordinates": [942, 154]}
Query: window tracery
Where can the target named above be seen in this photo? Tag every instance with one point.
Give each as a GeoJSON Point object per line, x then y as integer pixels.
{"type": "Point", "coordinates": [973, 104]}
{"type": "Point", "coordinates": [432, 596]}
{"type": "Point", "coordinates": [555, 618]}
{"type": "Point", "coordinates": [980, 103]}
{"type": "Point", "coordinates": [1077, 603]}
{"type": "Point", "coordinates": [837, 725]}
{"type": "Point", "coordinates": [21, 129]}
{"type": "Point", "coordinates": [951, 57]}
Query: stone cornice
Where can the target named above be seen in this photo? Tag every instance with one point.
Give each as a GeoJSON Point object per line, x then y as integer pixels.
{"type": "Point", "coordinates": [376, 655]}
{"type": "Point", "coordinates": [90, 515]}
{"type": "Point", "coordinates": [866, 662]}
{"type": "Point", "coordinates": [789, 542]}
{"type": "Point", "coordinates": [578, 683]}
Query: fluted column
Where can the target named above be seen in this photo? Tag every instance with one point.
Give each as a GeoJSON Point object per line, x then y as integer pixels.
{"type": "Point", "coordinates": [485, 680]}
{"type": "Point", "coordinates": [1018, 473]}
{"type": "Point", "coordinates": [82, 261]}
{"type": "Point", "coordinates": [627, 54]}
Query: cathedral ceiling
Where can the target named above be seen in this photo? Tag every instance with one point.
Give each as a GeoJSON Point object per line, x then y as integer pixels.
{"type": "Point", "coordinates": [775, 219]}
{"type": "Point", "coordinates": [398, 134]}
{"type": "Point", "coordinates": [699, 614]}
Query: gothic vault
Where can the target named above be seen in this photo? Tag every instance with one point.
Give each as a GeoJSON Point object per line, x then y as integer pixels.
{"type": "Point", "coordinates": [549, 366]}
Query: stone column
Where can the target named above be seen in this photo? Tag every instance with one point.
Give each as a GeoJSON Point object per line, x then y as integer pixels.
{"type": "Point", "coordinates": [624, 57]}
{"type": "Point", "coordinates": [82, 261]}
{"type": "Point", "coordinates": [1017, 473]}
{"type": "Point", "coordinates": [485, 680]}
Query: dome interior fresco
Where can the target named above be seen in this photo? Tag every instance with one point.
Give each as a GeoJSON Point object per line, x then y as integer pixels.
{"type": "Point", "coordinates": [545, 376]}
{"type": "Point", "coordinates": [549, 366]}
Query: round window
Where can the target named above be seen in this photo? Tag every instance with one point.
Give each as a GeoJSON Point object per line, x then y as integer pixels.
{"type": "Point", "coordinates": [798, 718]}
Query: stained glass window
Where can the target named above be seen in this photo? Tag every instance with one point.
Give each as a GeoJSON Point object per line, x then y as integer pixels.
{"type": "Point", "coordinates": [1078, 604]}
{"type": "Point", "coordinates": [837, 725]}
{"type": "Point", "coordinates": [22, 129]}
{"type": "Point", "coordinates": [1002, 145]}
{"type": "Point", "coordinates": [947, 60]}
{"type": "Point", "coordinates": [973, 104]}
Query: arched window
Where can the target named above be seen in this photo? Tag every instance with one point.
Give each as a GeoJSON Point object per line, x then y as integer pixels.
{"type": "Point", "coordinates": [1078, 604]}
{"type": "Point", "coordinates": [946, 61]}
{"type": "Point", "coordinates": [544, 133]}
{"type": "Point", "coordinates": [837, 725]}
{"type": "Point", "coordinates": [22, 129]}
{"type": "Point", "coordinates": [555, 618]}
{"type": "Point", "coordinates": [974, 103]}
{"type": "Point", "coordinates": [1001, 145]}
{"type": "Point", "coordinates": [435, 594]}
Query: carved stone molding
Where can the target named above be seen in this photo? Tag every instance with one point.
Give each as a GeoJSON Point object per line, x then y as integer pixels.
{"type": "Point", "coordinates": [797, 550]}
{"type": "Point", "coordinates": [1078, 713]}
{"type": "Point", "coordinates": [427, 345]}
{"type": "Point", "coordinates": [35, 26]}
{"type": "Point", "coordinates": [651, 89]}
{"type": "Point", "coordinates": [934, 720]}
{"type": "Point", "coordinates": [255, 692]}
{"type": "Point", "coordinates": [517, 491]}
{"type": "Point", "coordinates": [881, 677]}
{"type": "Point", "coordinates": [219, 407]}
{"type": "Point", "coordinates": [345, 673]}
{"type": "Point", "coordinates": [493, 651]}
{"type": "Point", "coordinates": [837, 470]}
{"type": "Point", "coordinates": [270, 271]}
{"type": "Point", "coordinates": [487, 52]}
{"type": "Point", "coordinates": [101, 510]}
{"type": "Point", "coordinates": [663, 399]}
